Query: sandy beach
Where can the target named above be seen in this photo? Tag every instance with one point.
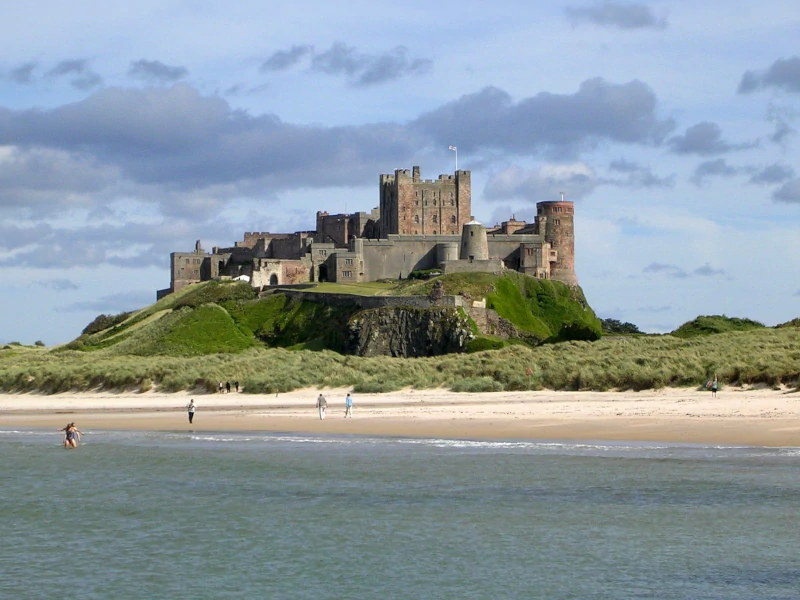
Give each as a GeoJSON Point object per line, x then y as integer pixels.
{"type": "Point", "coordinates": [758, 417]}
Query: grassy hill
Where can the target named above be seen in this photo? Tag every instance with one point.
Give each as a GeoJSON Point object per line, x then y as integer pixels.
{"type": "Point", "coordinates": [222, 317]}
{"type": "Point", "coordinates": [705, 325]}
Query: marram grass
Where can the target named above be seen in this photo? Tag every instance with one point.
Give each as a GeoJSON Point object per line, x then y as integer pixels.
{"type": "Point", "coordinates": [761, 356]}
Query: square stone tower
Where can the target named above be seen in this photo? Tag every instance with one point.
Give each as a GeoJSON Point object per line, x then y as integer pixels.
{"type": "Point", "coordinates": [410, 205]}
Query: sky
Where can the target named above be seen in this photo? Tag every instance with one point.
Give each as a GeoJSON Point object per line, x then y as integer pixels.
{"type": "Point", "coordinates": [130, 130]}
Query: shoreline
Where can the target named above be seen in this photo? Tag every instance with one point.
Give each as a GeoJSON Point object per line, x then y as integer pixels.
{"type": "Point", "coordinates": [751, 417]}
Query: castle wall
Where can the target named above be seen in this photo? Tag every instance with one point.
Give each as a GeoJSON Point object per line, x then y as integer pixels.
{"type": "Point", "coordinates": [369, 302]}
{"type": "Point", "coordinates": [507, 248]}
{"type": "Point", "coordinates": [397, 256]}
{"type": "Point", "coordinates": [474, 266]}
{"type": "Point", "coordinates": [269, 272]}
{"type": "Point", "coordinates": [289, 248]}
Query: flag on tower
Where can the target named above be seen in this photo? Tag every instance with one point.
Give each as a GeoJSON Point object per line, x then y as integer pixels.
{"type": "Point", "coordinates": [452, 148]}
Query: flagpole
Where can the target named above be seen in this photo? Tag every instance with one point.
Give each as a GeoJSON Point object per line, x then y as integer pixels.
{"type": "Point", "coordinates": [455, 149]}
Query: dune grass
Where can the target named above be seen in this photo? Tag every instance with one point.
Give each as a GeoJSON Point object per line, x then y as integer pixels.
{"type": "Point", "coordinates": [763, 356]}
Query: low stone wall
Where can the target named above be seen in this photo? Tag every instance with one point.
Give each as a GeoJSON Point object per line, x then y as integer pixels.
{"type": "Point", "coordinates": [369, 302]}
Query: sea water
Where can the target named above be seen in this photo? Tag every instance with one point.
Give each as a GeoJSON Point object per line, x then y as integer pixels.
{"type": "Point", "coordinates": [256, 515]}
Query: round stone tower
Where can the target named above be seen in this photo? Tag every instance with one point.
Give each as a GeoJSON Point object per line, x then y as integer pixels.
{"type": "Point", "coordinates": [446, 251]}
{"type": "Point", "coordinates": [559, 232]}
{"type": "Point", "coordinates": [474, 245]}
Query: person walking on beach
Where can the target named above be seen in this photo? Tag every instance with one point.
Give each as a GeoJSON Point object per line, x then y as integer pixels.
{"type": "Point", "coordinates": [236, 386]}
{"type": "Point", "coordinates": [322, 404]}
{"type": "Point", "coordinates": [190, 408]}
{"type": "Point", "coordinates": [348, 406]}
{"type": "Point", "coordinates": [220, 387]}
{"type": "Point", "coordinates": [714, 386]}
{"type": "Point", "coordinates": [227, 387]}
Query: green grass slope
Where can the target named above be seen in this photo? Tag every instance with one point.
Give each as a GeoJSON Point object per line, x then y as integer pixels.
{"type": "Point", "coordinates": [542, 310]}
{"type": "Point", "coordinates": [711, 324]}
{"type": "Point", "coordinates": [220, 317]}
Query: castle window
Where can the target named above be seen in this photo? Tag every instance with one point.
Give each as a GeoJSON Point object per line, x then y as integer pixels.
{"type": "Point", "coordinates": [434, 216]}
{"type": "Point", "coordinates": [452, 202]}
{"type": "Point", "coordinates": [416, 218]}
{"type": "Point", "coordinates": [348, 261]}
{"type": "Point", "coordinates": [415, 232]}
{"type": "Point", "coordinates": [323, 252]}
{"type": "Point", "coordinates": [453, 219]}
{"type": "Point", "coordinates": [425, 202]}
{"type": "Point", "coordinates": [434, 232]}
{"type": "Point", "coordinates": [556, 222]}
{"type": "Point", "coordinates": [416, 202]}
{"type": "Point", "coordinates": [434, 202]}
{"type": "Point", "coordinates": [471, 233]}
{"type": "Point", "coordinates": [347, 273]}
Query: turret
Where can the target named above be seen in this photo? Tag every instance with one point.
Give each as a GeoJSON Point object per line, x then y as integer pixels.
{"type": "Point", "coordinates": [559, 232]}
{"type": "Point", "coordinates": [474, 245]}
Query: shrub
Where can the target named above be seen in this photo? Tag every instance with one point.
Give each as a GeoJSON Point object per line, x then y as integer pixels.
{"type": "Point", "coordinates": [483, 342]}
{"type": "Point", "coordinates": [102, 322]}
{"type": "Point", "coordinates": [615, 326]}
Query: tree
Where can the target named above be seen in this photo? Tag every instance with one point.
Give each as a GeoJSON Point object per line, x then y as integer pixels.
{"type": "Point", "coordinates": [616, 326]}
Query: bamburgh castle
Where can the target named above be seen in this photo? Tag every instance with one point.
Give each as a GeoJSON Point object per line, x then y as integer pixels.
{"type": "Point", "coordinates": [420, 224]}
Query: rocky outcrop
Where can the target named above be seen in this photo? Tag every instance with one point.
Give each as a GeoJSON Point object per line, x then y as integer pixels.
{"type": "Point", "coordinates": [407, 332]}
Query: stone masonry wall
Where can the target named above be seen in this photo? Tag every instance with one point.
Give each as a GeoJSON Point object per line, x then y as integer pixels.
{"type": "Point", "coordinates": [370, 302]}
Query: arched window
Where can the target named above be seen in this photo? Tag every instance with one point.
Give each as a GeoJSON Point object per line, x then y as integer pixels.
{"type": "Point", "coordinates": [434, 218]}
{"type": "Point", "coordinates": [453, 219]}
{"type": "Point", "coordinates": [416, 218]}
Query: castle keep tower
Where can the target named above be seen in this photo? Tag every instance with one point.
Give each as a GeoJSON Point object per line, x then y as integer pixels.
{"type": "Point", "coordinates": [555, 221]}
{"type": "Point", "coordinates": [410, 205]}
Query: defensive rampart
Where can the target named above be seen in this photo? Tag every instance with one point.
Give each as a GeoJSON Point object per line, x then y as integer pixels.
{"type": "Point", "coordinates": [368, 302]}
